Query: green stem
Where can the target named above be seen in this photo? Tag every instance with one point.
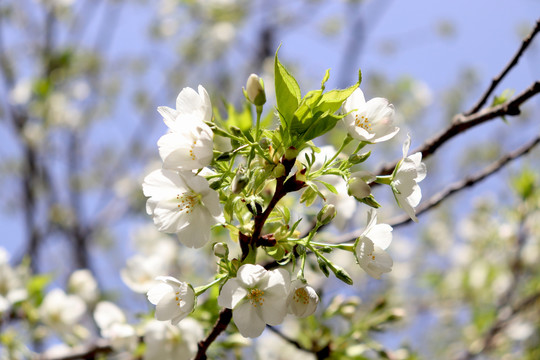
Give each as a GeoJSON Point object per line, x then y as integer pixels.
{"type": "Point", "coordinates": [201, 289]}
{"type": "Point", "coordinates": [346, 247]}
{"type": "Point", "coordinates": [384, 179]}
{"type": "Point", "coordinates": [346, 141]}
{"type": "Point", "coordinates": [258, 123]}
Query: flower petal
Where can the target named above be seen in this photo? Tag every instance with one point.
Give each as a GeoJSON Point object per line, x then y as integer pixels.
{"type": "Point", "coordinates": [250, 275]}
{"type": "Point", "coordinates": [158, 291]}
{"type": "Point", "coordinates": [247, 320]}
{"type": "Point", "coordinates": [231, 294]}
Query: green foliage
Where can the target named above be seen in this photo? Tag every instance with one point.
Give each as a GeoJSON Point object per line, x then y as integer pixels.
{"type": "Point", "coordinates": [304, 119]}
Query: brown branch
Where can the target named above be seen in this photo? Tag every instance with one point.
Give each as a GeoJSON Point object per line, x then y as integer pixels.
{"type": "Point", "coordinates": [462, 123]}
{"type": "Point", "coordinates": [221, 324]}
{"type": "Point", "coordinates": [504, 319]}
{"type": "Point", "coordinates": [453, 188]}
{"type": "Point", "coordinates": [283, 186]}
{"type": "Point", "coordinates": [468, 181]}
{"type": "Point", "coordinates": [496, 80]}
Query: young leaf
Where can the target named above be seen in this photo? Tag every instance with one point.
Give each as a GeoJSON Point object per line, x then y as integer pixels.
{"type": "Point", "coordinates": [287, 92]}
{"type": "Point", "coordinates": [328, 186]}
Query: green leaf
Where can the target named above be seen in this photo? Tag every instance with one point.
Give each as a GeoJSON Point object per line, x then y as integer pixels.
{"type": "Point", "coordinates": [287, 93]}
{"type": "Point", "coordinates": [308, 196]}
{"type": "Point", "coordinates": [325, 79]}
{"type": "Point", "coordinates": [320, 126]}
{"type": "Point", "coordinates": [332, 100]}
{"type": "Point", "coordinates": [303, 116]}
{"type": "Point", "coordinates": [504, 97]}
{"type": "Point", "coordinates": [329, 186]}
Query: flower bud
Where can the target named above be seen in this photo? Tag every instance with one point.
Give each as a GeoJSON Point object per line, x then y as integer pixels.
{"type": "Point", "coordinates": [239, 182]}
{"type": "Point", "coordinates": [221, 250]}
{"type": "Point", "coordinates": [265, 143]}
{"type": "Point", "coordinates": [327, 213]}
{"type": "Point", "coordinates": [255, 90]}
{"type": "Point", "coordinates": [357, 184]}
{"type": "Point", "coordinates": [278, 171]}
{"type": "Point", "coordinates": [357, 159]}
{"type": "Point", "coordinates": [291, 153]}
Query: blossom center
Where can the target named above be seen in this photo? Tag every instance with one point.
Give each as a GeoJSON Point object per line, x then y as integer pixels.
{"type": "Point", "coordinates": [301, 296]}
{"type": "Point", "coordinates": [256, 297]}
{"type": "Point", "coordinates": [187, 201]}
{"type": "Point", "coordinates": [362, 122]}
{"type": "Point", "coordinates": [178, 299]}
{"type": "Point", "coordinates": [191, 153]}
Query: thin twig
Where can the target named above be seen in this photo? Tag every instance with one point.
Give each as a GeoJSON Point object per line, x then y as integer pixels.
{"type": "Point", "coordinates": [496, 80]}
{"type": "Point", "coordinates": [453, 188]}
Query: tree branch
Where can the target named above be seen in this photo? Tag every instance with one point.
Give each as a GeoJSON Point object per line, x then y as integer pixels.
{"type": "Point", "coordinates": [100, 347]}
{"type": "Point", "coordinates": [496, 80]}
{"type": "Point", "coordinates": [453, 188]}
{"type": "Point", "coordinates": [461, 123]}
{"type": "Point", "coordinates": [221, 324]}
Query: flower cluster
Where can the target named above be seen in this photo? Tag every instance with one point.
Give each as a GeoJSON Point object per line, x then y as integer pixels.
{"type": "Point", "coordinates": [239, 182]}
{"type": "Point", "coordinates": [180, 200]}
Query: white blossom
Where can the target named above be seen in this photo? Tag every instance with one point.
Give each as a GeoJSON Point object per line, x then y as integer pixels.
{"type": "Point", "coordinates": [302, 300]}
{"type": "Point", "coordinates": [141, 271]}
{"type": "Point", "coordinates": [113, 326]}
{"type": "Point", "coordinates": [174, 299]}
{"type": "Point", "coordinates": [182, 203]}
{"type": "Point", "coordinates": [409, 172]}
{"type": "Point", "coordinates": [189, 149]}
{"type": "Point", "coordinates": [370, 121]}
{"type": "Point", "coordinates": [172, 342]}
{"type": "Point", "coordinates": [82, 283]}
{"type": "Point", "coordinates": [189, 143]}
{"type": "Point", "coordinates": [370, 246]}
{"type": "Point", "coordinates": [257, 297]}
{"type": "Point", "coordinates": [12, 289]}
{"type": "Point", "coordinates": [60, 311]}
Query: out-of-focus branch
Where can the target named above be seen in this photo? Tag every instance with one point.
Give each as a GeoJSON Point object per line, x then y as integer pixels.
{"type": "Point", "coordinates": [506, 315]}
{"type": "Point", "coordinates": [100, 347]}
{"type": "Point", "coordinates": [496, 80]}
{"type": "Point", "coordinates": [462, 123]}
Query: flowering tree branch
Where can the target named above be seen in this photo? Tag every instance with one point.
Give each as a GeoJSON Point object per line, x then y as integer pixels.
{"type": "Point", "coordinates": [453, 188]}
{"type": "Point", "coordinates": [468, 181]}
{"type": "Point", "coordinates": [283, 186]}
{"type": "Point", "coordinates": [462, 123]}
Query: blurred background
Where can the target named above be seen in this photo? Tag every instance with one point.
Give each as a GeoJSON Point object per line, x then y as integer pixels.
{"type": "Point", "coordinates": [81, 80]}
